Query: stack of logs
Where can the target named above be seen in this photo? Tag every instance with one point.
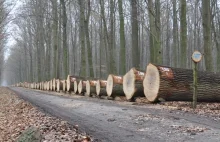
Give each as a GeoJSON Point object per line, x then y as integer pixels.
{"type": "Point", "coordinates": [170, 84]}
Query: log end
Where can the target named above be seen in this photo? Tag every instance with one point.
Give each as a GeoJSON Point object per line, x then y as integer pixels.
{"type": "Point", "coordinates": [129, 84]}
{"type": "Point", "coordinates": [75, 87]}
{"type": "Point", "coordinates": [109, 85]}
{"type": "Point", "coordinates": [54, 84]}
{"type": "Point", "coordinates": [58, 85]}
{"type": "Point", "coordinates": [80, 87]}
{"type": "Point", "coordinates": [68, 83]}
{"type": "Point", "coordinates": [98, 87]}
{"type": "Point", "coordinates": [151, 83]}
{"type": "Point", "coordinates": [88, 88]}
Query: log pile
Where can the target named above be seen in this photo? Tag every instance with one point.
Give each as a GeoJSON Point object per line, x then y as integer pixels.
{"type": "Point", "coordinates": [157, 82]}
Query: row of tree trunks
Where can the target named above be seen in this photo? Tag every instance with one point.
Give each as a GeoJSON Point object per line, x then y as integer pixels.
{"type": "Point", "coordinates": [114, 86]}
{"type": "Point", "coordinates": [174, 84]}
{"type": "Point", "coordinates": [133, 83]}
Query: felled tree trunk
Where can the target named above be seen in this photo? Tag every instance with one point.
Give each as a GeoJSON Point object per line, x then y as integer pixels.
{"type": "Point", "coordinates": [59, 85]}
{"type": "Point", "coordinates": [133, 83]}
{"type": "Point", "coordinates": [114, 86]}
{"type": "Point", "coordinates": [174, 84]}
{"type": "Point", "coordinates": [81, 86]}
{"type": "Point", "coordinates": [64, 85]}
{"type": "Point", "coordinates": [90, 87]}
{"type": "Point", "coordinates": [51, 85]}
{"type": "Point", "coordinates": [54, 84]}
{"type": "Point", "coordinates": [70, 83]}
{"type": "Point", "coordinates": [101, 88]}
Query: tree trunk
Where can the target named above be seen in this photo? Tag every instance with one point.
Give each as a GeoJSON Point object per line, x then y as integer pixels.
{"type": "Point", "coordinates": [133, 83]}
{"type": "Point", "coordinates": [114, 86]}
{"type": "Point", "coordinates": [90, 87]}
{"type": "Point", "coordinates": [206, 23]}
{"type": "Point", "coordinates": [122, 67]}
{"type": "Point", "coordinates": [175, 84]}
{"type": "Point", "coordinates": [175, 36]}
{"type": "Point", "coordinates": [134, 34]}
{"type": "Point", "coordinates": [101, 87]}
{"type": "Point", "coordinates": [183, 34]}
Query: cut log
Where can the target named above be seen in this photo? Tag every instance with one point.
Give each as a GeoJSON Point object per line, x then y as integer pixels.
{"type": "Point", "coordinates": [59, 85]}
{"type": "Point", "coordinates": [51, 85]}
{"type": "Point", "coordinates": [76, 87]}
{"type": "Point", "coordinates": [70, 83]}
{"type": "Point", "coordinates": [174, 84]}
{"type": "Point", "coordinates": [90, 87]}
{"type": "Point", "coordinates": [54, 84]}
{"type": "Point", "coordinates": [81, 86]}
{"type": "Point", "coordinates": [114, 86]}
{"type": "Point", "coordinates": [133, 83]}
{"type": "Point", "coordinates": [101, 88]}
{"type": "Point", "coordinates": [64, 85]}
{"type": "Point", "coordinates": [48, 85]}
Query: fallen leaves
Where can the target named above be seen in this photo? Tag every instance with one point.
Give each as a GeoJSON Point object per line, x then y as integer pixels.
{"type": "Point", "coordinates": [17, 116]}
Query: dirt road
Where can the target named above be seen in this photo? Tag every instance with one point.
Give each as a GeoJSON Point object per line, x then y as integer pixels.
{"type": "Point", "coordinates": [113, 121]}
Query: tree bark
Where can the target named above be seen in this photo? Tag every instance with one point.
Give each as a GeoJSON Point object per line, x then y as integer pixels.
{"type": "Point", "coordinates": [175, 84]}
{"type": "Point", "coordinates": [133, 83]}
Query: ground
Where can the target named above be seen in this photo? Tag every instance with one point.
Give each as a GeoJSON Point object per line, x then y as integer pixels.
{"type": "Point", "coordinates": [17, 115]}
{"type": "Point", "coordinates": [118, 121]}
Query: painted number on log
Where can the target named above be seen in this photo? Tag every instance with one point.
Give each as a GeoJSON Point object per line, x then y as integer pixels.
{"type": "Point", "coordinates": [167, 72]}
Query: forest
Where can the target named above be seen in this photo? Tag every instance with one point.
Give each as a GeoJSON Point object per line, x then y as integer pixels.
{"type": "Point", "coordinates": [94, 38]}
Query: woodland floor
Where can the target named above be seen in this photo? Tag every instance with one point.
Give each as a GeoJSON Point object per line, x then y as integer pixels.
{"type": "Point", "coordinates": [121, 121]}
{"type": "Point", "coordinates": [16, 115]}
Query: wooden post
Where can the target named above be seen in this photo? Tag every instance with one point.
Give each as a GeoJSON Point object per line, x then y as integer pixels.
{"type": "Point", "coordinates": [196, 57]}
{"type": "Point", "coordinates": [195, 82]}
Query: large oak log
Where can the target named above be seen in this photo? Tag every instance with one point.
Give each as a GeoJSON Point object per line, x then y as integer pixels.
{"type": "Point", "coordinates": [114, 86]}
{"type": "Point", "coordinates": [81, 86]}
{"type": "Point", "coordinates": [133, 83]}
{"type": "Point", "coordinates": [70, 83]}
{"type": "Point", "coordinates": [101, 87]}
{"type": "Point", "coordinates": [90, 87]}
{"type": "Point", "coordinates": [174, 84]}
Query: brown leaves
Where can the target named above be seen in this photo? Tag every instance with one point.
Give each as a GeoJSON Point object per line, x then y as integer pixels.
{"type": "Point", "coordinates": [16, 116]}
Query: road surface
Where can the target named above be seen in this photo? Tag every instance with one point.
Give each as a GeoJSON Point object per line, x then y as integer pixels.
{"type": "Point", "coordinates": [111, 121]}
